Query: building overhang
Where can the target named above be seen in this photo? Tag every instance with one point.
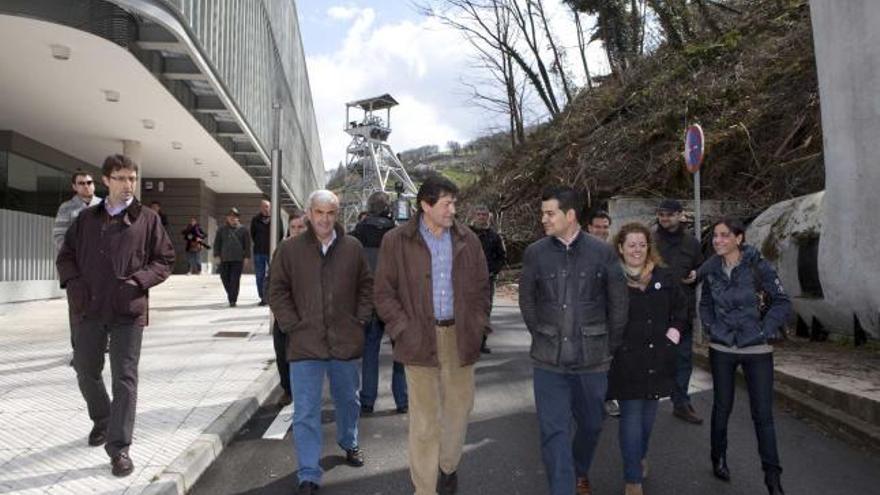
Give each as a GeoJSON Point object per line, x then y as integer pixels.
{"type": "Point", "coordinates": [59, 84]}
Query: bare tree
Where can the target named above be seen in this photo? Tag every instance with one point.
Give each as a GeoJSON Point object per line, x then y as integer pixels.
{"type": "Point", "coordinates": [558, 55]}
{"type": "Point", "coordinates": [582, 46]}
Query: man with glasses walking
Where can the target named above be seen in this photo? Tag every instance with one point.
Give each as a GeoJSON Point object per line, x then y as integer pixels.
{"type": "Point", "coordinates": [112, 255]}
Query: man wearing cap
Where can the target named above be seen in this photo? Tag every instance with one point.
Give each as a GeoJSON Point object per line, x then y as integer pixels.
{"type": "Point", "coordinates": [681, 252]}
{"type": "Point", "coordinates": [232, 246]}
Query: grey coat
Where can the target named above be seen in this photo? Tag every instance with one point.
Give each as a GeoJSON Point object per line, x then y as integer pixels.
{"type": "Point", "coordinates": [574, 301]}
{"type": "Point", "coordinates": [232, 243]}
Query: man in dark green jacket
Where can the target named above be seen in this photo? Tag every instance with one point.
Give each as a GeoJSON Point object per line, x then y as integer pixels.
{"type": "Point", "coordinates": [232, 246]}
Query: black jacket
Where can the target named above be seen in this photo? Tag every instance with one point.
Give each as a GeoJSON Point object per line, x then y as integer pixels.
{"type": "Point", "coordinates": [370, 231]}
{"type": "Point", "coordinates": [574, 302]}
{"type": "Point", "coordinates": [682, 253]}
{"type": "Point", "coordinates": [260, 233]}
{"type": "Point", "coordinates": [729, 305]}
{"type": "Point", "coordinates": [493, 248]}
{"type": "Point", "coordinates": [644, 365]}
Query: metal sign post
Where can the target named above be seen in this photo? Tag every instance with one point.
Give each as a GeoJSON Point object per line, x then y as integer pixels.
{"type": "Point", "coordinates": [694, 147]}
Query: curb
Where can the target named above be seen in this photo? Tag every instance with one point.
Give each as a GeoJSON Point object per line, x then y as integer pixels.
{"type": "Point", "coordinates": [845, 415]}
{"type": "Point", "coordinates": [181, 475]}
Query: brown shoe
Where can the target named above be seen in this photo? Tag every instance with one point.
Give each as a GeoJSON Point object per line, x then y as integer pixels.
{"type": "Point", "coordinates": [583, 486]}
{"type": "Point", "coordinates": [633, 489]}
{"type": "Point", "coordinates": [687, 413]}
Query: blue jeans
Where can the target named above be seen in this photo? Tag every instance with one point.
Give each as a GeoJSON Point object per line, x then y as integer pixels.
{"type": "Point", "coordinates": [261, 263]}
{"type": "Point", "coordinates": [559, 399]}
{"type": "Point", "coordinates": [758, 372]}
{"type": "Point", "coordinates": [683, 369]}
{"type": "Point", "coordinates": [307, 381]}
{"type": "Point", "coordinates": [374, 329]}
{"type": "Point", "coordinates": [636, 421]}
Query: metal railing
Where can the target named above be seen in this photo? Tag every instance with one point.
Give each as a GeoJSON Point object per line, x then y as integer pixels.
{"type": "Point", "coordinates": [27, 251]}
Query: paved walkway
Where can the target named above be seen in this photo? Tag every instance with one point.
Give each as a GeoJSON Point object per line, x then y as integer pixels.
{"type": "Point", "coordinates": [188, 376]}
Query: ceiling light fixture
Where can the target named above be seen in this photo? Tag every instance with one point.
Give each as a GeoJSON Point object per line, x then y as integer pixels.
{"type": "Point", "coordinates": [148, 124]}
{"type": "Point", "coordinates": [214, 173]}
{"type": "Point", "coordinates": [60, 52]}
{"type": "Point", "coordinates": [111, 96]}
{"type": "Point", "coordinates": [177, 145]}
{"type": "Point", "coordinates": [197, 161]}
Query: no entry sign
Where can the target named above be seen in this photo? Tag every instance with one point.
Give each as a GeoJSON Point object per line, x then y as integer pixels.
{"type": "Point", "coordinates": [693, 148]}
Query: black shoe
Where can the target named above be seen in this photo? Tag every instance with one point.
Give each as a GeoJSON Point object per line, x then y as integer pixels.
{"type": "Point", "coordinates": [402, 409]}
{"type": "Point", "coordinates": [262, 303]}
{"type": "Point", "coordinates": [365, 409]}
{"type": "Point", "coordinates": [354, 457]}
{"type": "Point", "coordinates": [231, 304]}
{"type": "Point", "coordinates": [97, 436]}
{"type": "Point", "coordinates": [485, 350]}
{"type": "Point", "coordinates": [719, 468]}
{"type": "Point", "coordinates": [122, 465]}
{"type": "Point", "coordinates": [612, 408]}
{"type": "Point", "coordinates": [307, 488]}
{"type": "Point", "coordinates": [447, 484]}
{"type": "Point", "coordinates": [687, 413]}
{"type": "Point", "coordinates": [774, 485]}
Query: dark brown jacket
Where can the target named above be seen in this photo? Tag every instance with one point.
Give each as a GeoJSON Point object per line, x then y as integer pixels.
{"type": "Point", "coordinates": [321, 301]}
{"type": "Point", "coordinates": [404, 294]}
{"type": "Point", "coordinates": [101, 253]}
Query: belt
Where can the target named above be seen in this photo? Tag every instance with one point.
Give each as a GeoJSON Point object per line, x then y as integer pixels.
{"type": "Point", "coordinates": [445, 323]}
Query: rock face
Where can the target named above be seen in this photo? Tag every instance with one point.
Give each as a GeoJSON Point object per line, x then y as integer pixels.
{"type": "Point", "coordinates": [847, 47]}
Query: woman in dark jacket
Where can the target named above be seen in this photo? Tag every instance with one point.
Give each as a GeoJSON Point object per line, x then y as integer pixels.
{"type": "Point", "coordinates": [643, 369]}
{"type": "Point", "coordinates": [743, 306]}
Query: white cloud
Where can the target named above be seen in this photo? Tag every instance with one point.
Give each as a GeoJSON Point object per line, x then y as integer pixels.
{"type": "Point", "coordinates": [339, 12]}
{"type": "Point", "coordinates": [421, 63]}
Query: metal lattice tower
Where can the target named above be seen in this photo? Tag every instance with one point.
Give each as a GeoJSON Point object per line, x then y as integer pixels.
{"type": "Point", "coordinates": [369, 158]}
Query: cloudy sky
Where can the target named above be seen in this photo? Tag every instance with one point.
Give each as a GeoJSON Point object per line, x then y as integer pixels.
{"type": "Point", "coordinates": [362, 48]}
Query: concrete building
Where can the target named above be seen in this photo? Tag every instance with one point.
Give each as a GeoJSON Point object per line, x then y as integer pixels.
{"type": "Point", "coordinates": [184, 87]}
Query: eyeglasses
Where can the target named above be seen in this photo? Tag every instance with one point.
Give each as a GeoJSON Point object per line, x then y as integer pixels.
{"type": "Point", "coordinates": [130, 180]}
{"type": "Point", "coordinates": [85, 182]}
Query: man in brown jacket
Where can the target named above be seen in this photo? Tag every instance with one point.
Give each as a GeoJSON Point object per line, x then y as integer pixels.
{"type": "Point", "coordinates": [320, 291]}
{"type": "Point", "coordinates": [112, 255]}
{"type": "Point", "coordinates": [432, 288]}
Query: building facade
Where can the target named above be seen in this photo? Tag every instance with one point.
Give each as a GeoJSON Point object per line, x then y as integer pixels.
{"type": "Point", "coordinates": [188, 89]}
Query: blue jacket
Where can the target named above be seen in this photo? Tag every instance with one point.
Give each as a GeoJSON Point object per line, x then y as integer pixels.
{"type": "Point", "coordinates": [729, 305]}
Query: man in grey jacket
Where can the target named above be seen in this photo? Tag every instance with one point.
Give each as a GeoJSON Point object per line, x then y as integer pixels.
{"type": "Point", "coordinates": [232, 246]}
{"type": "Point", "coordinates": [573, 298]}
{"type": "Point", "coordinates": [84, 187]}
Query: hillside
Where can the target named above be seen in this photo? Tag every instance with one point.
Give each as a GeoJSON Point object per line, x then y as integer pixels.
{"type": "Point", "coordinates": [753, 89]}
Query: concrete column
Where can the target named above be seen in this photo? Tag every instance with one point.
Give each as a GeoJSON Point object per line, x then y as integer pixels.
{"type": "Point", "coordinates": [134, 150]}
{"type": "Point", "coordinates": [847, 44]}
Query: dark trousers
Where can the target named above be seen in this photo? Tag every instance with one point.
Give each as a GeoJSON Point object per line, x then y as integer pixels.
{"type": "Point", "coordinates": [684, 366]}
{"type": "Point", "coordinates": [88, 361]}
{"type": "Point", "coordinates": [261, 264]}
{"type": "Point", "coordinates": [492, 279]}
{"type": "Point", "coordinates": [374, 330]}
{"type": "Point", "coordinates": [279, 340]}
{"type": "Point", "coordinates": [758, 372]}
{"type": "Point", "coordinates": [230, 275]}
{"type": "Point", "coordinates": [564, 400]}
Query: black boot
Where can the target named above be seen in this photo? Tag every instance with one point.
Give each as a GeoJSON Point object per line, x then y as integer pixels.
{"type": "Point", "coordinates": [719, 468]}
{"type": "Point", "coordinates": [774, 485]}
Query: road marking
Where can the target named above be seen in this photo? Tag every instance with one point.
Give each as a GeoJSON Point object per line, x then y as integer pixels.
{"type": "Point", "coordinates": [279, 428]}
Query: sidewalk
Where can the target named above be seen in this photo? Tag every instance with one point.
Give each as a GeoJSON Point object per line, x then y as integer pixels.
{"type": "Point", "coordinates": [196, 389]}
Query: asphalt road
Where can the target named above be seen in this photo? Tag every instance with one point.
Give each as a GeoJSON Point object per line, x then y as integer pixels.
{"type": "Point", "coordinates": [502, 454]}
